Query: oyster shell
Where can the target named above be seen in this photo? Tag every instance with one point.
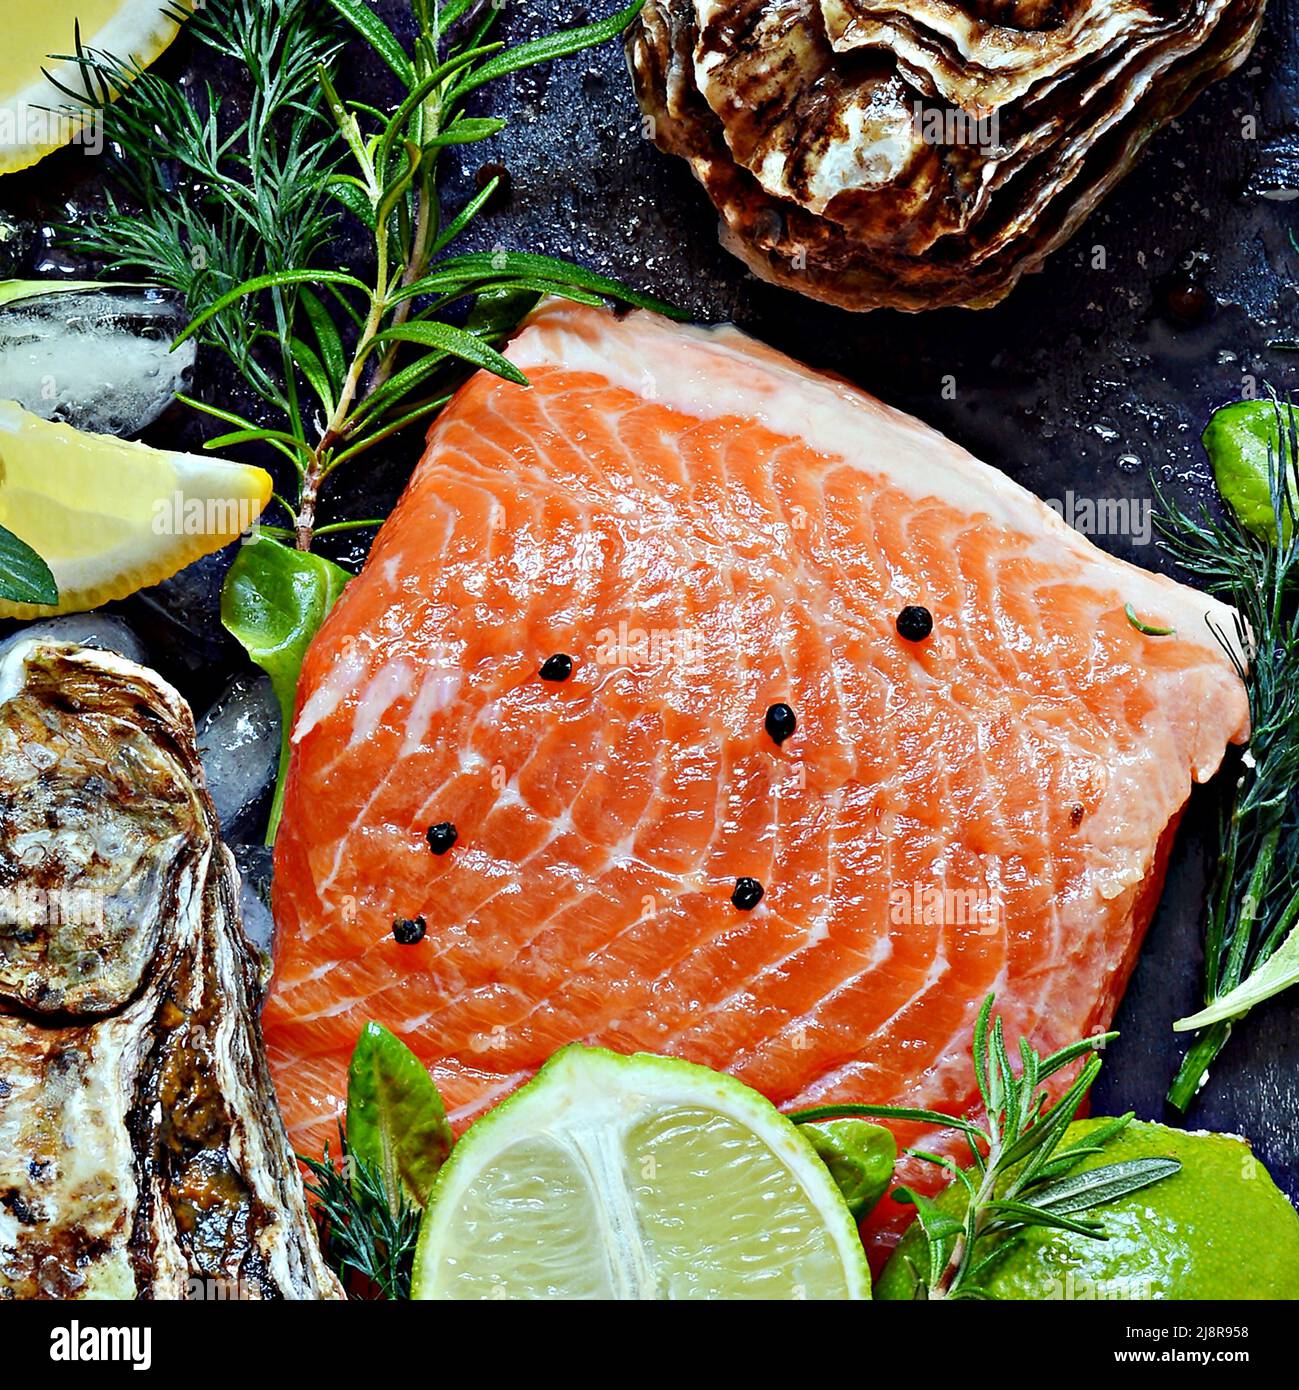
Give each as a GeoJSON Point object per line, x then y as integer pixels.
{"type": "Point", "coordinates": [141, 1150]}
{"type": "Point", "coordinates": [871, 153]}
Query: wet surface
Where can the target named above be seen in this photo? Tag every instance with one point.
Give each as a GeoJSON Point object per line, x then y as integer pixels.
{"type": "Point", "coordinates": [1094, 375]}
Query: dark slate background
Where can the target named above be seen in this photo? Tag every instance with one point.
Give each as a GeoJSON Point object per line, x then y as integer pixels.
{"type": "Point", "coordinates": [1085, 380]}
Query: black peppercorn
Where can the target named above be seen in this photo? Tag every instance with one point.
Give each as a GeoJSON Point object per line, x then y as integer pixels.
{"type": "Point", "coordinates": [748, 894]}
{"type": "Point", "coordinates": [407, 931]}
{"type": "Point", "coordinates": [557, 668]}
{"type": "Point", "coordinates": [442, 836]}
{"type": "Point", "coordinates": [915, 623]}
{"type": "Point", "coordinates": [780, 723]}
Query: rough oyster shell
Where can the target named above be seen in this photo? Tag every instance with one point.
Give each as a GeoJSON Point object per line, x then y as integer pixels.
{"type": "Point", "coordinates": [141, 1150]}
{"type": "Point", "coordinates": [874, 154]}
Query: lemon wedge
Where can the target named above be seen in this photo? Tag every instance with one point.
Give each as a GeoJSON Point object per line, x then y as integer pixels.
{"type": "Point", "coordinates": [109, 517]}
{"type": "Point", "coordinates": [37, 118]}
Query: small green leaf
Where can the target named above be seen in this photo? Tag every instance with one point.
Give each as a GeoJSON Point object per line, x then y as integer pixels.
{"type": "Point", "coordinates": [560, 271]}
{"type": "Point", "coordinates": [468, 131]}
{"type": "Point", "coordinates": [269, 282]}
{"type": "Point", "coordinates": [354, 198]}
{"type": "Point", "coordinates": [1147, 629]}
{"type": "Point", "coordinates": [274, 601]}
{"type": "Point", "coordinates": [1105, 1184]}
{"type": "Point", "coordinates": [395, 1118]}
{"type": "Point", "coordinates": [1244, 445]}
{"type": "Point", "coordinates": [498, 312]}
{"type": "Point", "coordinates": [1277, 973]}
{"type": "Point", "coordinates": [332, 352]}
{"type": "Point", "coordinates": [940, 1230]}
{"type": "Point", "coordinates": [457, 343]}
{"type": "Point", "coordinates": [377, 34]}
{"type": "Point", "coordinates": [311, 367]}
{"type": "Point", "coordinates": [544, 50]}
{"type": "Point", "coordinates": [466, 215]}
{"type": "Point", "coordinates": [24, 576]}
{"type": "Point", "coordinates": [860, 1157]}
{"type": "Point", "coordinates": [1021, 1214]}
{"type": "Point", "coordinates": [887, 1112]}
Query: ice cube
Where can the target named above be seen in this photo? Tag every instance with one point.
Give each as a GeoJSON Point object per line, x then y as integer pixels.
{"type": "Point", "coordinates": [239, 742]}
{"type": "Point", "coordinates": [98, 360]}
{"type": "Point", "coordinates": [255, 867]}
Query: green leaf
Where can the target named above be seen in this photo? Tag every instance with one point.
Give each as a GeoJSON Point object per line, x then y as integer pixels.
{"type": "Point", "coordinates": [940, 1230]}
{"type": "Point", "coordinates": [332, 352]}
{"type": "Point", "coordinates": [1277, 973]}
{"type": "Point", "coordinates": [354, 197]}
{"type": "Point", "coordinates": [1048, 1066]}
{"type": "Point", "coordinates": [1024, 1214]}
{"type": "Point", "coordinates": [396, 190]}
{"type": "Point", "coordinates": [544, 50]}
{"type": "Point", "coordinates": [498, 312]}
{"type": "Point", "coordinates": [1069, 1156]}
{"type": "Point", "coordinates": [468, 131]}
{"type": "Point", "coordinates": [457, 343]}
{"type": "Point", "coordinates": [1145, 628]}
{"type": "Point", "coordinates": [887, 1112]}
{"type": "Point", "coordinates": [1245, 447]}
{"type": "Point", "coordinates": [313, 369]}
{"type": "Point", "coordinates": [377, 34]}
{"type": "Point", "coordinates": [24, 576]}
{"type": "Point", "coordinates": [1108, 1183]}
{"type": "Point", "coordinates": [860, 1157]}
{"type": "Point", "coordinates": [395, 1118]}
{"type": "Point", "coordinates": [466, 215]}
{"type": "Point", "coordinates": [273, 602]}
{"type": "Point", "coordinates": [552, 268]}
{"type": "Point", "coordinates": [270, 282]}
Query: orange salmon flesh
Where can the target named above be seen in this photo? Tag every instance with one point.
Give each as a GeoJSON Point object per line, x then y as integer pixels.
{"type": "Point", "coordinates": [707, 529]}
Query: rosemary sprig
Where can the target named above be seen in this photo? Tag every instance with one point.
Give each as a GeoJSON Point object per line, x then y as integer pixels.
{"type": "Point", "coordinates": [367, 1234]}
{"type": "Point", "coordinates": [239, 217]}
{"type": "Point", "coordinates": [1020, 1175]}
{"type": "Point", "coordinates": [1253, 902]}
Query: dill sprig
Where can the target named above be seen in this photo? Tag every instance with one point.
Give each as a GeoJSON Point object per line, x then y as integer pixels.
{"type": "Point", "coordinates": [1253, 905]}
{"type": "Point", "coordinates": [367, 1234]}
{"type": "Point", "coordinates": [1020, 1174]}
{"type": "Point", "coordinates": [201, 200]}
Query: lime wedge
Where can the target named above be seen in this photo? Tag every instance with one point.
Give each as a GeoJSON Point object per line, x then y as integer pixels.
{"type": "Point", "coordinates": [611, 1177]}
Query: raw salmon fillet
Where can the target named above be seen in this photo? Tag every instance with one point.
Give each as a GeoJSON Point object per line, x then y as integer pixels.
{"type": "Point", "coordinates": [707, 529]}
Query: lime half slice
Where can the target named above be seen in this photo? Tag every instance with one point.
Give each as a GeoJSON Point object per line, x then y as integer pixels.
{"type": "Point", "coordinates": [611, 1177]}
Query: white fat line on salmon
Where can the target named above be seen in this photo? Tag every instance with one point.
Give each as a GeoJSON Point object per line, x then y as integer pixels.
{"type": "Point", "coordinates": [77, 1343]}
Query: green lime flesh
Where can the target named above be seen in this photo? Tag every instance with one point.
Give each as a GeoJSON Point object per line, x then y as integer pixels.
{"type": "Point", "coordinates": [611, 1177]}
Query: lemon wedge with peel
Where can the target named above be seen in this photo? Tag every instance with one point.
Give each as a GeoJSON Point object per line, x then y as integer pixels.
{"type": "Point", "coordinates": [37, 118]}
{"type": "Point", "coordinates": [610, 1177]}
{"type": "Point", "coordinates": [109, 517]}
